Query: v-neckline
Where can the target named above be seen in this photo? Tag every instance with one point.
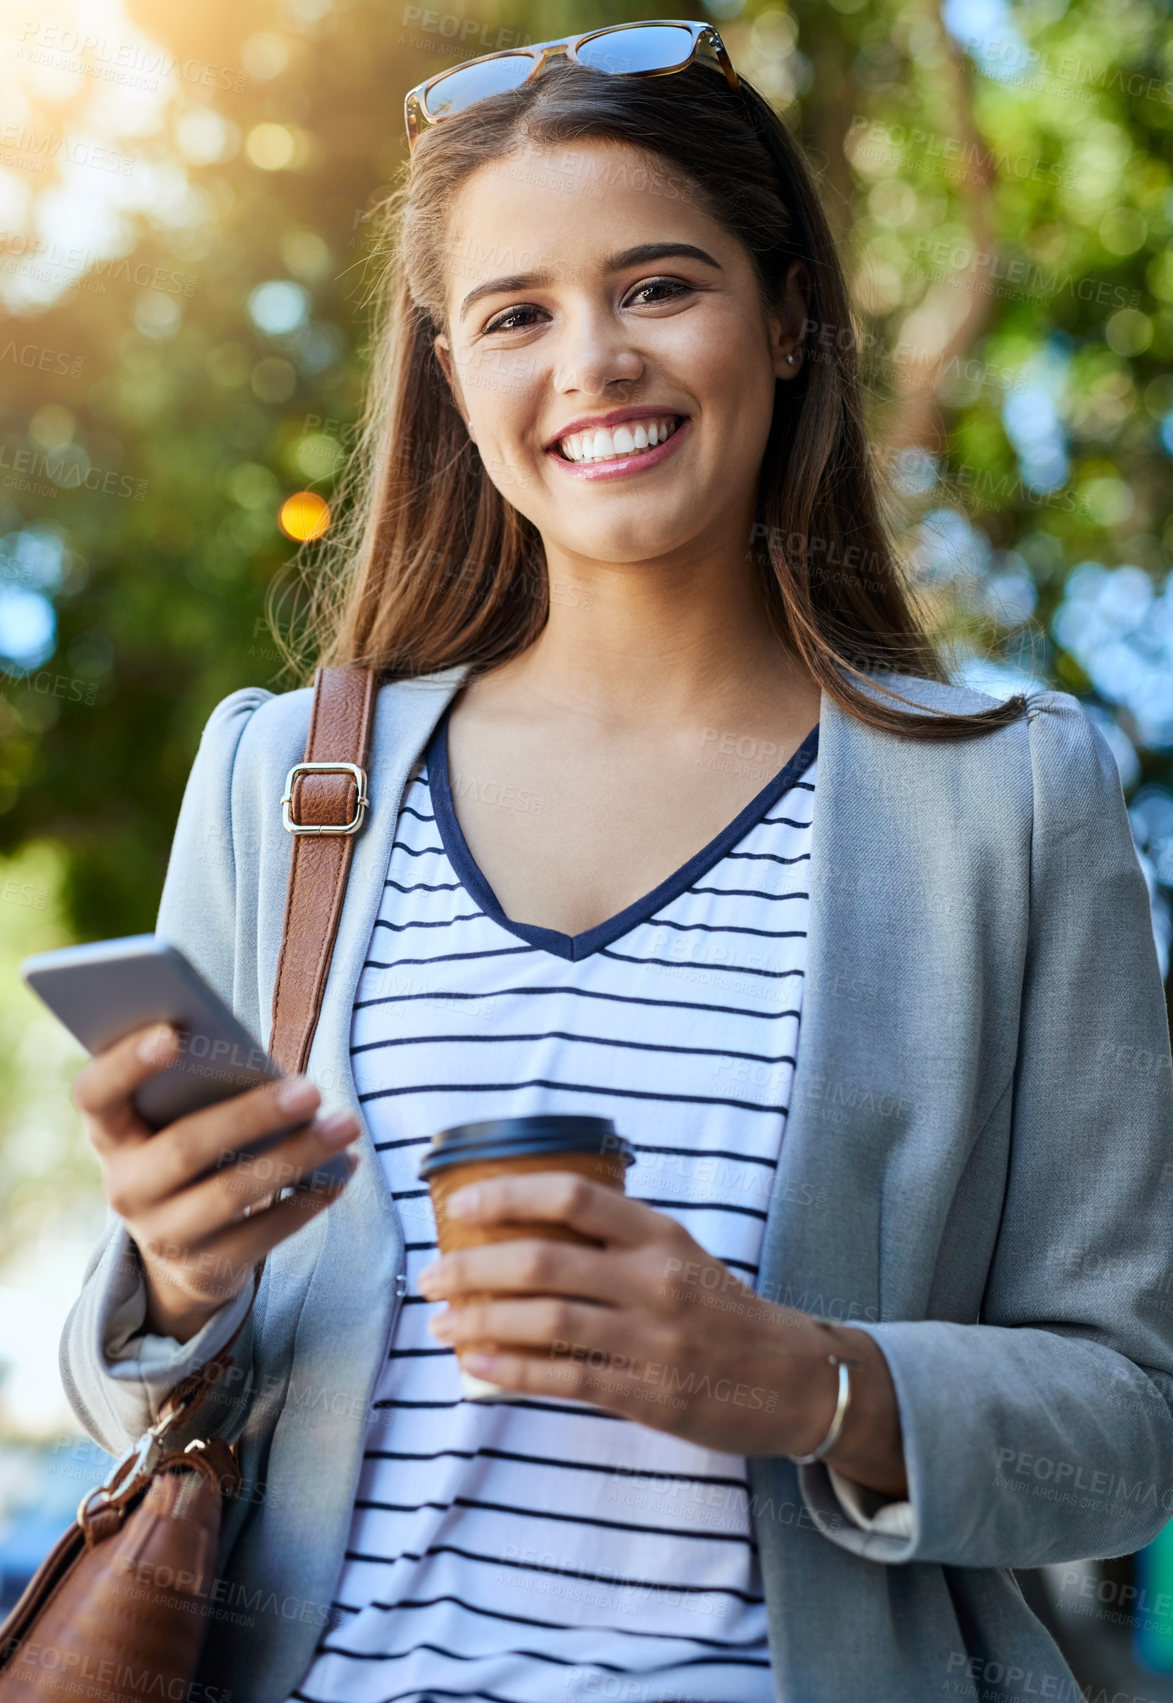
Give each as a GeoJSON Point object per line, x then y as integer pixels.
{"type": "Point", "coordinates": [576, 947]}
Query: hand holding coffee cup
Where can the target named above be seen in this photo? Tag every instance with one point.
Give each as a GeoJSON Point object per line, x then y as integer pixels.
{"type": "Point", "coordinates": [638, 1318]}
{"type": "Point", "coordinates": [469, 1153]}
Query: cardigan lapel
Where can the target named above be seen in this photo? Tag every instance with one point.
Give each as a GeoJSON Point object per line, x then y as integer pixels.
{"type": "Point", "coordinates": [898, 1015]}
{"type": "Point", "coordinates": [820, 1243]}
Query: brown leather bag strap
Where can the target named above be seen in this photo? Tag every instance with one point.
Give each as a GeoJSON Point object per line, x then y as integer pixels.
{"type": "Point", "coordinates": [323, 809]}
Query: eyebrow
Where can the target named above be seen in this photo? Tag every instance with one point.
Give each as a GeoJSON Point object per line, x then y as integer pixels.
{"type": "Point", "coordinates": [642, 254]}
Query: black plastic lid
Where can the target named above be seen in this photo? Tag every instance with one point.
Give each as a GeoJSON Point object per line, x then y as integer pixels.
{"type": "Point", "coordinates": [509, 1138]}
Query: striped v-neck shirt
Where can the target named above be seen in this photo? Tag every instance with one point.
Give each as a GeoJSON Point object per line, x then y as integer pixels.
{"type": "Point", "coordinates": [536, 1550]}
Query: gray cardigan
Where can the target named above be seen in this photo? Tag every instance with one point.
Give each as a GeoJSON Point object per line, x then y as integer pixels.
{"type": "Point", "coordinates": [976, 1169]}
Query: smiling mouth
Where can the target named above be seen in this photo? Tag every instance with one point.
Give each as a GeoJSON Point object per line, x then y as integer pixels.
{"type": "Point", "coordinates": [611, 443]}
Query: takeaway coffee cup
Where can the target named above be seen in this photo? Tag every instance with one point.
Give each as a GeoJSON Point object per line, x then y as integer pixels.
{"type": "Point", "coordinates": [548, 1141]}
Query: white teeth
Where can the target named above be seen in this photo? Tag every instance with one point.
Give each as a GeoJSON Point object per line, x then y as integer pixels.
{"type": "Point", "coordinates": [604, 445]}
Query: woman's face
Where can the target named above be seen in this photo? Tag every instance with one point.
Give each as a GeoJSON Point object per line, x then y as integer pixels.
{"type": "Point", "coordinates": [586, 285]}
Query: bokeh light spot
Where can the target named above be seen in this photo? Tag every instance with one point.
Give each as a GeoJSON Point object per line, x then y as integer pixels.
{"type": "Point", "coordinates": [304, 515]}
{"type": "Point", "coordinates": [273, 147]}
{"type": "Point", "coordinates": [279, 306]}
{"type": "Point", "coordinates": [28, 629]}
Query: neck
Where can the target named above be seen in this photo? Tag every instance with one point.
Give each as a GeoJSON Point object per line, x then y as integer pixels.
{"type": "Point", "coordinates": [658, 642]}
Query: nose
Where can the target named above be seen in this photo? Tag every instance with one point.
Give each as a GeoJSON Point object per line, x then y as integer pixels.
{"type": "Point", "coordinates": [594, 354]}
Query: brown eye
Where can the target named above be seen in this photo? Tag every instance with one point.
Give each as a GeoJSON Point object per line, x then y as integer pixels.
{"type": "Point", "coordinates": [501, 323]}
{"type": "Point", "coordinates": [672, 286]}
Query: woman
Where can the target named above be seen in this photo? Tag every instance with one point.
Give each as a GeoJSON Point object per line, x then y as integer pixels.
{"type": "Point", "coordinates": [664, 772]}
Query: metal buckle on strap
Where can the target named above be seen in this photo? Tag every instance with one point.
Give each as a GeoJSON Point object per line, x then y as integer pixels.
{"type": "Point", "coordinates": [144, 1454]}
{"type": "Point", "coordinates": [351, 827]}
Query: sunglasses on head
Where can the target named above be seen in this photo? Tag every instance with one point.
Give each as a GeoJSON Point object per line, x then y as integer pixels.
{"type": "Point", "coordinates": [626, 50]}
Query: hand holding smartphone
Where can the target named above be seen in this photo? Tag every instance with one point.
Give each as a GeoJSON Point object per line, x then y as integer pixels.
{"type": "Point", "coordinates": [179, 1128]}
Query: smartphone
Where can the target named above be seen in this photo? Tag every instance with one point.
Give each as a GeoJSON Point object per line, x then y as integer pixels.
{"type": "Point", "coordinates": [108, 988]}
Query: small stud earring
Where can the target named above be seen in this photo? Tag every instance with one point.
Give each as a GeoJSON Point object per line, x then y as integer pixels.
{"type": "Point", "coordinates": [790, 360]}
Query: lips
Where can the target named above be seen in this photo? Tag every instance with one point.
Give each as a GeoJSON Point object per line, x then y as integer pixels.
{"type": "Point", "coordinates": [616, 435]}
{"type": "Point", "coordinates": [624, 464]}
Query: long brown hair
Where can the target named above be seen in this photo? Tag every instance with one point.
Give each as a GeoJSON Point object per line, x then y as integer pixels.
{"type": "Point", "coordinates": [429, 566]}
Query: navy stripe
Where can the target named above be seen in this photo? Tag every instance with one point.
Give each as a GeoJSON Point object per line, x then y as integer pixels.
{"type": "Point", "coordinates": [680, 1588]}
{"type": "Point", "coordinates": [528, 1512]}
{"type": "Point", "coordinates": [711, 1152]}
{"type": "Point", "coordinates": [563, 1035]}
{"type": "Point", "coordinates": [536, 1656]}
{"type": "Point", "coordinates": [730, 928]}
{"type": "Point", "coordinates": [450, 958]}
{"type": "Point", "coordinates": [741, 893]}
{"type": "Point", "coordinates": [607, 1467]}
{"type": "Point", "coordinates": [423, 887]}
{"type": "Point", "coordinates": [399, 927]}
{"type": "Point", "coordinates": [768, 857]}
{"type": "Point", "coordinates": [698, 1205]}
{"type": "Point", "coordinates": [551, 1625]}
{"type": "Point", "coordinates": [705, 964]}
{"type": "Point", "coordinates": [580, 993]}
{"type": "Point", "coordinates": [550, 1406]}
{"type": "Point", "coordinates": [416, 851]}
{"type": "Point", "coordinates": [568, 1088]}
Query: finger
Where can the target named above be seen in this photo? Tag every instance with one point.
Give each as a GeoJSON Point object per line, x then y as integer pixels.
{"type": "Point", "coordinates": [103, 1088]}
{"type": "Point", "coordinates": [547, 1322]}
{"type": "Point", "coordinates": [193, 1145]}
{"type": "Point", "coordinates": [558, 1197]}
{"type": "Point", "coordinates": [647, 1398]}
{"type": "Point", "coordinates": [527, 1265]}
{"type": "Point", "coordinates": [241, 1188]}
{"type": "Point", "coordinates": [220, 1267]}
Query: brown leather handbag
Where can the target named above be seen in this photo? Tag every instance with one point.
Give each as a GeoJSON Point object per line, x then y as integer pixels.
{"type": "Point", "coordinates": [120, 1608]}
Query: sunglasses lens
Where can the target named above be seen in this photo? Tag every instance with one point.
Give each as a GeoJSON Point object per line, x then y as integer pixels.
{"type": "Point", "coordinates": [659, 47]}
{"type": "Point", "coordinates": [471, 83]}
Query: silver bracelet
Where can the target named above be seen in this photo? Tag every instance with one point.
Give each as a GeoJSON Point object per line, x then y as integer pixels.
{"type": "Point", "coordinates": [832, 1437]}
